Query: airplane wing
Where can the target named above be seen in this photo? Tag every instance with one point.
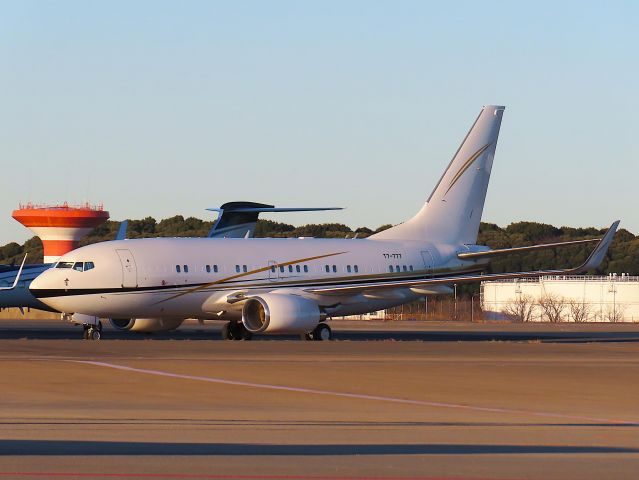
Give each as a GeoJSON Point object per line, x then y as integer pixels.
{"type": "Point", "coordinates": [509, 251]}
{"type": "Point", "coordinates": [593, 261]}
{"type": "Point", "coordinates": [15, 282]}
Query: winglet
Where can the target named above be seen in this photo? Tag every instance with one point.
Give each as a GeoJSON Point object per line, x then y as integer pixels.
{"type": "Point", "coordinates": [15, 282]}
{"type": "Point", "coordinates": [121, 235]}
{"type": "Point", "coordinates": [597, 255]}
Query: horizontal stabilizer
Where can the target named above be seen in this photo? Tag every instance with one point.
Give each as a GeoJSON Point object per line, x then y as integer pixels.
{"type": "Point", "coordinates": [508, 251]}
{"type": "Point", "coordinates": [238, 219]}
{"type": "Point", "coordinates": [593, 261]}
{"type": "Point", "coordinates": [275, 209]}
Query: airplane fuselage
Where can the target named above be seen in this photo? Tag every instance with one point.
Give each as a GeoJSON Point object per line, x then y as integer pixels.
{"type": "Point", "coordinates": [193, 277]}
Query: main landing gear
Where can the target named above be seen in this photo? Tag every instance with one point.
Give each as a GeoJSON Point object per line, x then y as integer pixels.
{"type": "Point", "coordinates": [321, 333]}
{"type": "Point", "coordinates": [235, 331]}
{"type": "Point", "coordinates": [92, 332]}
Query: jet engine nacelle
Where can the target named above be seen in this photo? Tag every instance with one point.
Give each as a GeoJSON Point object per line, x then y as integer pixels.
{"type": "Point", "coordinates": [147, 325]}
{"type": "Point", "coordinates": [280, 313]}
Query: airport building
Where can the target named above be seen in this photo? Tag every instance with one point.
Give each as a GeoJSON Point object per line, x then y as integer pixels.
{"type": "Point", "coordinates": [612, 298]}
{"type": "Point", "coordinates": [60, 227]}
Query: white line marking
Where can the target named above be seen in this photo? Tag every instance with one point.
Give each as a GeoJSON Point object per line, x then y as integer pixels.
{"type": "Point", "coordinates": [359, 396]}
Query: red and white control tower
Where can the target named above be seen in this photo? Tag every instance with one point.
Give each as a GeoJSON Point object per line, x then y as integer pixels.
{"type": "Point", "coordinates": [60, 227]}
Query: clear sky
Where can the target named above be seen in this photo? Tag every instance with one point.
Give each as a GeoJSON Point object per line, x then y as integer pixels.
{"type": "Point", "coordinates": [164, 108]}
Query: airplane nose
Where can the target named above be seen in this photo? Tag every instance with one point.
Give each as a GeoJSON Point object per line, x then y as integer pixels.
{"type": "Point", "coordinates": [38, 285]}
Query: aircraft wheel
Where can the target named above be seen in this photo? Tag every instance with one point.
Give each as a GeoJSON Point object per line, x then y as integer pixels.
{"type": "Point", "coordinates": [227, 331]}
{"type": "Point", "coordinates": [322, 333]}
{"type": "Point", "coordinates": [85, 333]}
{"type": "Point", "coordinates": [94, 334]}
{"type": "Point", "coordinates": [240, 332]}
{"type": "Point", "coordinates": [235, 329]}
{"type": "Point", "coordinates": [244, 333]}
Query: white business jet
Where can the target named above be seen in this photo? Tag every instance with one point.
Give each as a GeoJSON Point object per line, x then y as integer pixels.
{"type": "Point", "coordinates": [291, 286]}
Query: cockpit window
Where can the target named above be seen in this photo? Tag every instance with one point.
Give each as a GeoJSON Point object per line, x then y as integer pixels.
{"type": "Point", "coordinates": [77, 266]}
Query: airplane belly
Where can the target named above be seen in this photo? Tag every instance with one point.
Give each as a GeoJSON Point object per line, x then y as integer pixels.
{"type": "Point", "coordinates": [371, 305]}
{"type": "Point", "coordinates": [121, 305]}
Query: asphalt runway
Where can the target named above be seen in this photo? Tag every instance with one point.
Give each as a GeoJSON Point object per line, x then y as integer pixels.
{"type": "Point", "coordinates": [16, 329]}
{"type": "Point", "coordinates": [401, 400]}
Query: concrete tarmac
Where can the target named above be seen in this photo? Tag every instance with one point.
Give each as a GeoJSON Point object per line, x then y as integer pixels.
{"type": "Point", "coordinates": [461, 402]}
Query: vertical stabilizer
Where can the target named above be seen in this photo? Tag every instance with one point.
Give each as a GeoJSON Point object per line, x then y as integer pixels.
{"type": "Point", "coordinates": [453, 211]}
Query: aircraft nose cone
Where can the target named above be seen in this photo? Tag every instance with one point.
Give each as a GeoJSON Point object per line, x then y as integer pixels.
{"type": "Point", "coordinates": [38, 285]}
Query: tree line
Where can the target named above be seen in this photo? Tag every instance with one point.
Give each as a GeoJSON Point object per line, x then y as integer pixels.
{"type": "Point", "coordinates": [623, 256]}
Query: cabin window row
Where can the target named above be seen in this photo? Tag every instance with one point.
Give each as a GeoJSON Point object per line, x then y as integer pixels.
{"type": "Point", "coordinates": [291, 268]}
{"type": "Point", "coordinates": [398, 269]}
{"type": "Point", "coordinates": [208, 268]}
{"type": "Point", "coordinates": [84, 266]}
{"type": "Point", "coordinates": [349, 268]}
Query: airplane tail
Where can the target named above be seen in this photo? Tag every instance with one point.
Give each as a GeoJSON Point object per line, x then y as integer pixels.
{"type": "Point", "coordinates": [453, 211]}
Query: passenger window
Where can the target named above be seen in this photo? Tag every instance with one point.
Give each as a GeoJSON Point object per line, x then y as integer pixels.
{"type": "Point", "coordinates": [411, 268]}
{"type": "Point", "coordinates": [237, 268]}
{"type": "Point", "coordinates": [348, 268]}
{"type": "Point", "coordinates": [186, 269]}
{"type": "Point", "coordinates": [215, 268]}
{"type": "Point", "coordinates": [78, 266]}
{"type": "Point", "coordinates": [177, 268]}
{"type": "Point", "coordinates": [305, 268]}
{"type": "Point", "coordinates": [356, 269]}
{"type": "Point", "coordinates": [327, 269]}
{"type": "Point", "coordinates": [397, 269]}
{"type": "Point", "coordinates": [334, 268]}
{"type": "Point", "coordinates": [244, 269]}
{"type": "Point", "coordinates": [390, 268]}
{"type": "Point", "coordinates": [88, 266]}
{"type": "Point", "coordinates": [298, 269]}
{"type": "Point", "coordinates": [64, 265]}
{"type": "Point", "coordinates": [405, 269]}
{"type": "Point", "coordinates": [208, 269]}
{"type": "Point", "coordinates": [281, 269]}
{"type": "Point", "coordinates": [273, 269]}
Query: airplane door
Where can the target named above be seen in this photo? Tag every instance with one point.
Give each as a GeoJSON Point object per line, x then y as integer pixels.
{"type": "Point", "coordinates": [273, 274]}
{"type": "Point", "coordinates": [428, 259]}
{"type": "Point", "coordinates": [129, 270]}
